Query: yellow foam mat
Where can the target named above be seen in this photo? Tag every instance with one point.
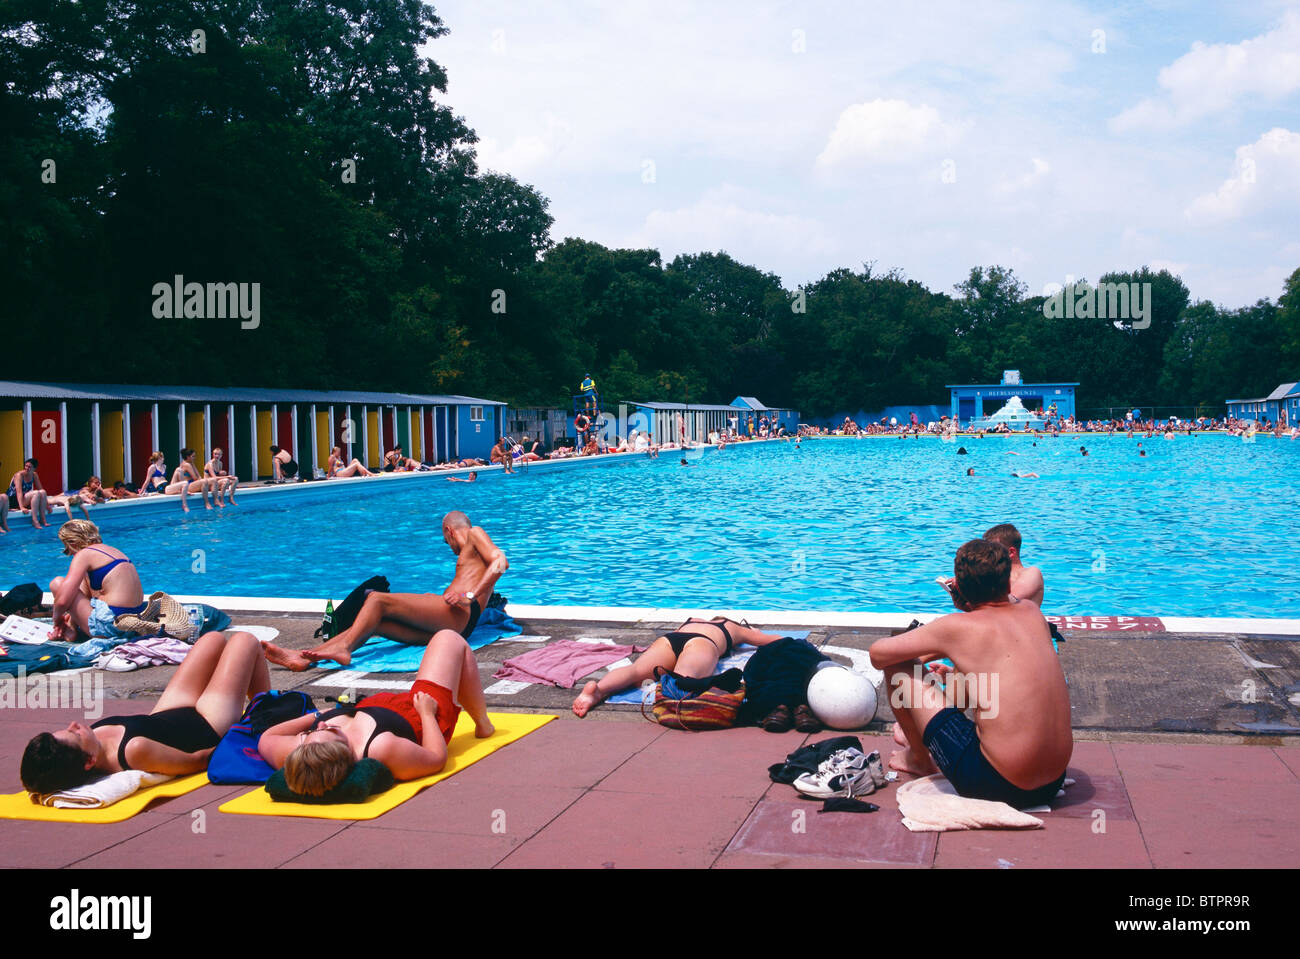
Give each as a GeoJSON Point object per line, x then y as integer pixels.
{"type": "Point", "coordinates": [19, 806]}
{"type": "Point", "coordinates": [463, 751]}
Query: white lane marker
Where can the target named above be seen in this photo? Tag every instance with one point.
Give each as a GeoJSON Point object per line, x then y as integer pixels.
{"type": "Point", "coordinates": [505, 687]}
{"type": "Point", "coordinates": [350, 678]}
{"type": "Point", "coordinates": [525, 639]}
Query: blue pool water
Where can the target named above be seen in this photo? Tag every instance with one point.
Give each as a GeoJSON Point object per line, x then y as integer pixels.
{"type": "Point", "coordinates": [1202, 527]}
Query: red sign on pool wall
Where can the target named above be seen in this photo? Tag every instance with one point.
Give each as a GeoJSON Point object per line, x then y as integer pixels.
{"type": "Point", "coordinates": [1123, 624]}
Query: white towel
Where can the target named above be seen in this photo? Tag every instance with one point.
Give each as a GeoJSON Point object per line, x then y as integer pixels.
{"type": "Point", "coordinates": [105, 791]}
{"type": "Point", "coordinates": [932, 805]}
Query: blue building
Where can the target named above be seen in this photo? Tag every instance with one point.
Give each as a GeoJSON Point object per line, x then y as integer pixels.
{"type": "Point", "coordinates": [972, 402]}
{"type": "Point", "coordinates": [1282, 405]}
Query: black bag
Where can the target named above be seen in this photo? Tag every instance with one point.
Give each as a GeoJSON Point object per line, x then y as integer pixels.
{"type": "Point", "coordinates": [20, 599]}
{"type": "Point", "coordinates": [345, 613]}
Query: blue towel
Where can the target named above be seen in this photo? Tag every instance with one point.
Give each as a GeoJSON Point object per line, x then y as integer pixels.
{"type": "Point", "coordinates": [736, 660]}
{"type": "Point", "coordinates": [379, 655]}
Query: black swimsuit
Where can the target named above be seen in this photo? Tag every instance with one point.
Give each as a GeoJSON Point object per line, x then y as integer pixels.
{"type": "Point", "coordinates": [386, 721]}
{"type": "Point", "coordinates": [679, 639]}
{"type": "Point", "coordinates": [182, 728]}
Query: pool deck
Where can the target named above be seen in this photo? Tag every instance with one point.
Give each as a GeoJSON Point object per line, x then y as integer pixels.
{"type": "Point", "coordinates": [1175, 767]}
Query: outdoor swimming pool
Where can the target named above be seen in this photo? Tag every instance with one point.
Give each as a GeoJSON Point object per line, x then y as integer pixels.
{"type": "Point", "coordinates": [1203, 526]}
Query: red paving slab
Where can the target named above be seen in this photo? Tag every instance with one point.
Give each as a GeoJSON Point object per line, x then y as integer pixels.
{"type": "Point", "coordinates": [570, 753]}
{"type": "Point", "coordinates": [1089, 794]}
{"type": "Point", "coordinates": [50, 845]}
{"type": "Point", "coordinates": [1061, 843]}
{"type": "Point", "coordinates": [1096, 758]}
{"type": "Point", "coordinates": [730, 763]}
{"type": "Point", "coordinates": [1291, 758]}
{"type": "Point", "coordinates": [622, 830]}
{"type": "Point", "coordinates": [226, 842]}
{"type": "Point", "coordinates": [1194, 824]}
{"type": "Point", "coordinates": [1208, 765]}
{"type": "Point", "coordinates": [480, 809]}
{"type": "Point", "coordinates": [802, 832]}
{"type": "Point", "coordinates": [364, 846]}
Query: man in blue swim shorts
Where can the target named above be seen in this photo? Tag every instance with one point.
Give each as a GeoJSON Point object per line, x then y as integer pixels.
{"type": "Point", "coordinates": [1005, 671]}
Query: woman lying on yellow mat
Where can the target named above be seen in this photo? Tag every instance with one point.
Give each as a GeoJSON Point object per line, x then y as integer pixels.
{"type": "Point", "coordinates": [202, 701]}
{"type": "Point", "coordinates": [407, 732]}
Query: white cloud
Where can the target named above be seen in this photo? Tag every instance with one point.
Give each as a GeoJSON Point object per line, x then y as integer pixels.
{"type": "Point", "coordinates": [1212, 78]}
{"type": "Point", "coordinates": [1264, 177]}
{"type": "Point", "coordinates": [727, 219]}
{"type": "Point", "coordinates": [884, 131]}
{"type": "Point", "coordinates": [1025, 181]}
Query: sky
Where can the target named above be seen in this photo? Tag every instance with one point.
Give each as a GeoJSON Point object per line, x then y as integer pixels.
{"type": "Point", "coordinates": [1059, 139]}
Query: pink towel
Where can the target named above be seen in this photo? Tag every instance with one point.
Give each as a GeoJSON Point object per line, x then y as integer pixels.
{"type": "Point", "coordinates": [563, 662]}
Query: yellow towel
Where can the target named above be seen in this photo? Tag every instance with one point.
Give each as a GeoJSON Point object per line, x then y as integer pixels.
{"type": "Point", "coordinates": [19, 805]}
{"type": "Point", "coordinates": [463, 750]}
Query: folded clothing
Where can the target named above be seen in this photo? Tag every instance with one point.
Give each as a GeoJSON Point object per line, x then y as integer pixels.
{"type": "Point", "coordinates": [932, 805]}
{"type": "Point", "coordinates": [102, 792]}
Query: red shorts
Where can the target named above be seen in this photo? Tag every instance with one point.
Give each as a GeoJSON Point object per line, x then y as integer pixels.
{"type": "Point", "coordinates": [404, 705]}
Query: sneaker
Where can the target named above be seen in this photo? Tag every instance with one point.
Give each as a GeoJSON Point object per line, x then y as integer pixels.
{"type": "Point", "coordinates": [843, 773]}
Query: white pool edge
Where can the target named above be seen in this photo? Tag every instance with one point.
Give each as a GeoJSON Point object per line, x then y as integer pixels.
{"type": "Point", "coordinates": [767, 617]}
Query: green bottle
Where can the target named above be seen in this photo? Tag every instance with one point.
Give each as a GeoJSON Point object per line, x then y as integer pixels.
{"type": "Point", "coordinates": [328, 625]}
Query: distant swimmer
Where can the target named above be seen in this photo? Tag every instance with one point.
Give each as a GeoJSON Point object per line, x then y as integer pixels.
{"type": "Point", "coordinates": [971, 471]}
{"type": "Point", "coordinates": [1025, 475]}
{"type": "Point", "coordinates": [473, 475]}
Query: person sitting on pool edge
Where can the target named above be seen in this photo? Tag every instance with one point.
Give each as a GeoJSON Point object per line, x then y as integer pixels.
{"type": "Point", "coordinates": [283, 466]}
{"type": "Point", "coordinates": [407, 732]}
{"type": "Point", "coordinates": [1017, 749]}
{"type": "Point", "coordinates": [693, 650]}
{"type": "Point", "coordinates": [411, 617]}
{"type": "Point", "coordinates": [1026, 581]}
{"type": "Point", "coordinates": [203, 699]}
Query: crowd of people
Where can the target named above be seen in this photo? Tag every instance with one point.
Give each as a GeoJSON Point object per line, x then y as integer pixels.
{"type": "Point", "coordinates": [1051, 424]}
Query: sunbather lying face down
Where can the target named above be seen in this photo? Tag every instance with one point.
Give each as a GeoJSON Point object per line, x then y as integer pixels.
{"type": "Point", "coordinates": [407, 732]}
{"type": "Point", "coordinates": [201, 702]}
{"type": "Point", "coordinates": [692, 650]}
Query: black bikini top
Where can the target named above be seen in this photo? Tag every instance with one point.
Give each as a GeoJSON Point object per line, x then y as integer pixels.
{"type": "Point", "coordinates": [386, 721]}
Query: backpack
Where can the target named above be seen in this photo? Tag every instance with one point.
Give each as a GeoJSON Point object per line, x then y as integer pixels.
{"type": "Point", "coordinates": [236, 760]}
{"type": "Point", "coordinates": [692, 704]}
{"type": "Point", "coordinates": [345, 613]}
{"type": "Point", "coordinates": [21, 599]}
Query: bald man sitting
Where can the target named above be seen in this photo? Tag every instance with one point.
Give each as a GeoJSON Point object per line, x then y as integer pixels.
{"type": "Point", "coordinates": [414, 617]}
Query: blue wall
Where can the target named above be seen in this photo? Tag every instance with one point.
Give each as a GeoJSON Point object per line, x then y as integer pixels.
{"type": "Point", "coordinates": [478, 437]}
{"type": "Point", "coordinates": [926, 414]}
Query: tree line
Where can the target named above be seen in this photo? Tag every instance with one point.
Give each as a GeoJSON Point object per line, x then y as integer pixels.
{"type": "Point", "coordinates": [304, 147]}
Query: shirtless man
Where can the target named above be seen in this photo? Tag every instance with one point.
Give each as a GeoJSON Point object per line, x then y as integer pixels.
{"type": "Point", "coordinates": [1017, 749]}
{"type": "Point", "coordinates": [414, 617]}
{"type": "Point", "coordinates": [1026, 581]}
